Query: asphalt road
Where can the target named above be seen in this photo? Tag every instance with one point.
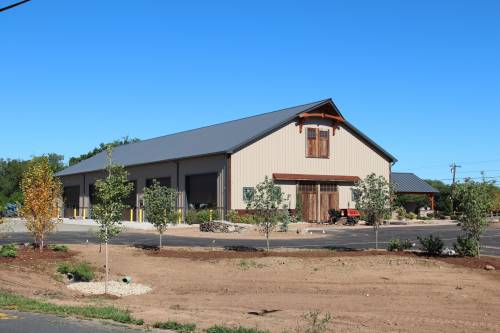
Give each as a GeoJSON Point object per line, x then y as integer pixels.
{"type": "Point", "coordinates": [22, 322]}
{"type": "Point", "coordinates": [335, 238]}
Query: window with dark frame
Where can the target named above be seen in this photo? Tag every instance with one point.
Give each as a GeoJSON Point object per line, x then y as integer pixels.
{"type": "Point", "coordinates": [318, 143]}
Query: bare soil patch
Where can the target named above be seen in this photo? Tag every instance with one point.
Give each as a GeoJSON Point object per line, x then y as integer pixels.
{"type": "Point", "coordinates": [30, 254]}
{"type": "Point", "coordinates": [371, 291]}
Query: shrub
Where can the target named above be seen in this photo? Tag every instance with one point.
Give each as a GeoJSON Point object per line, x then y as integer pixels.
{"type": "Point", "coordinates": [395, 244]}
{"type": "Point", "coordinates": [203, 216]}
{"type": "Point", "coordinates": [175, 326]}
{"type": "Point", "coordinates": [200, 216]}
{"type": "Point", "coordinates": [81, 272]}
{"type": "Point", "coordinates": [191, 216]}
{"type": "Point", "coordinates": [411, 216]}
{"type": "Point", "coordinates": [64, 268]}
{"type": "Point", "coordinates": [286, 220]}
{"type": "Point", "coordinates": [241, 329]}
{"type": "Point", "coordinates": [400, 213]}
{"type": "Point", "coordinates": [432, 245]}
{"type": "Point", "coordinates": [233, 216]}
{"type": "Point", "coordinates": [8, 250]}
{"type": "Point", "coordinates": [59, 248]}
{"type": "Point", "coordinates": [466, 246]}
{"type": "Point", "coordinates": [248, 219]}
{"type": "Point", "coordinates": [315, 323]}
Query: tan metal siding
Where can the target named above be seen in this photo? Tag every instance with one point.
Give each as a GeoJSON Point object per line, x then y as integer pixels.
{"type": "Point", "coordinates": [284, 151]}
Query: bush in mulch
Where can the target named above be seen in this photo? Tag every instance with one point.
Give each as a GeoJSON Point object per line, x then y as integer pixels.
{"type": "Point", "coordinates": [432, 245]}
{"type": "Point", "coordinates": [59, 248]}
{"type": "Point", "coordinates": [8, 250]}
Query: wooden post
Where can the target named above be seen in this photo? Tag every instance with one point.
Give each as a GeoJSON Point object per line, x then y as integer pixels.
{"type": "Point", "coordinates": [431, 197]}
{"type": "Point", "coordinates": [318, 203]}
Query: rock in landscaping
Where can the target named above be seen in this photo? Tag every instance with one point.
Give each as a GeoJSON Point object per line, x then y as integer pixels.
{"type": "Point", "coordinates": [489, 268]}
{"type": "Point", "coordinates": [220, 226]}
{"type": "Point", "coordinates": [114, 288]}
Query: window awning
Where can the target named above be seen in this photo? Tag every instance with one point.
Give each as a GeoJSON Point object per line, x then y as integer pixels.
{"type": "Point", "coordinates": [307, 177]}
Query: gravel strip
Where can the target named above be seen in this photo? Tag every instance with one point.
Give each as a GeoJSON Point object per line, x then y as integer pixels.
{"type": "Point", "coordinates": [114, 288]}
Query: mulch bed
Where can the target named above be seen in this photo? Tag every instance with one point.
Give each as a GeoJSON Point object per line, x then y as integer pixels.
{"type": "Point", "coordinates": [30, 254]}
{"type": "Point", "coordinates": [475, 263]}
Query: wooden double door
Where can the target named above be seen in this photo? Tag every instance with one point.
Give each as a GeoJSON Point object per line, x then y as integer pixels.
{"type": "Point", "coordinates": [317, 199]}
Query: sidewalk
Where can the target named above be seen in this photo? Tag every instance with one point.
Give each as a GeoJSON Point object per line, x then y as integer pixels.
{"type": "Point", "coordinates": [125, 224]}
{"type": "Point", "coordinates": [390, 224]}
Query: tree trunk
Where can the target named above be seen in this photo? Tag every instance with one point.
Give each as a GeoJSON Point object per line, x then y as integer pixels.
{"type": "Point", "coordinates": [41, 244]}
{"type": "Point", "coordinates": [376, 239]}
{"type": "Point", "coordinates": [160, 239]}
{"type": "Point", "coordinates": [267, 241]}
{"type": "Point", "coordinates": [107, 266]}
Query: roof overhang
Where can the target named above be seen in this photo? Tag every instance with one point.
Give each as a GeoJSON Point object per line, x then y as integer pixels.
{"type": "Point", "coordinates": [306, 177]}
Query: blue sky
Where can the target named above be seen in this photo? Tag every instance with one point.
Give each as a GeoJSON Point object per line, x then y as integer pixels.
{"type": "Point", "coordinates": [422, 78]}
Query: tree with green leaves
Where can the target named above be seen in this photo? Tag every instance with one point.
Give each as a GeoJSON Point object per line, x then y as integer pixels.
{"type": "Point", "coordinates": [373, 196]}
{"type": "Point", "coordinates": [111, 193]}
{"type": "Point", "coordinates": [102, 147]}
{"type": "Point", "coordinates": [474, 203]}
{"type": "Point", "coordinates": [160, 206]}
{"type": "Point", "coordinates": [268, 204]}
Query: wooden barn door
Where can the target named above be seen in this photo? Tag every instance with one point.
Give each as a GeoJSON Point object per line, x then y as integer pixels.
{"type": "Point", "coordinates": [329, 199]}
{"type": "Point", "coordinates": [309, 196]}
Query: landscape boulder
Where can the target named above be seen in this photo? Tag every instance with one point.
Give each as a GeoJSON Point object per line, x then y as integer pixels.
{"type": "Point", "coordinates": [220, 226]}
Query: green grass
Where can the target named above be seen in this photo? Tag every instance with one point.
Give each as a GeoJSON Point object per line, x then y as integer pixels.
{"type": "Point", "coordinates": [241, 329]}
{"type": "Point", "coordinates": [175, 326]}
{"type": "Point", "coordinates": [20, 303]}
{"type": "Point", "coordinates": [81, 272]}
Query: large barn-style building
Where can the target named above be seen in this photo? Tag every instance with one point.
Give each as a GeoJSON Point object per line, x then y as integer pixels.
{"type": "Point", "coordinates": [311, 151]}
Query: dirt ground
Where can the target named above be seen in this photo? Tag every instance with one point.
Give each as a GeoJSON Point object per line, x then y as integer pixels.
{"type": "Point", "coordinates": [363, 291]}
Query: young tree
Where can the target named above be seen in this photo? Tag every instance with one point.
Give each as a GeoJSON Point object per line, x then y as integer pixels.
{"type": "Point", "coordinates": [111, 193]}
{"type": "Point", "coordinates": [41, 192]}
{"type": "Point", "coordinates": [373, 196]}
{"type": "Point", "coordinates": [474, 202]}
{"type": "Point", "coordinates": [160, 207]}
{"type": "Point", "coordinates": [268, 203]}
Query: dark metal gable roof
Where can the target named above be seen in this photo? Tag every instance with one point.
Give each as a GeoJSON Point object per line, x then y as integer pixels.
{"type": "Point", "coordinates": [227, 137]}
{"type": "Point", "coordinates": [405, 182]}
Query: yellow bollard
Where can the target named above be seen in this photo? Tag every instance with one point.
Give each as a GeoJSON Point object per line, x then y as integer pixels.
{"type": "Point", "coordinates": [74, 213]}
{"type": "Point", "coordinates": [179, 216]}
{"type": "Point", "coordinates": [131, 214]}
{"type": "Point", "coordinates": [58, 212]}
{"type": "Point", "coordinates": [210, 214]}
{"type": "Point", "coordinates": [140, 215]}
{"type": "Point", "coordinates": [83, 214]}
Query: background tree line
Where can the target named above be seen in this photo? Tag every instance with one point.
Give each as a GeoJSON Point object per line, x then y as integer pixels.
{"type": "Point", "coordinates": [11, 170]}
{"type": "Point", "coordinates": [444, 200]}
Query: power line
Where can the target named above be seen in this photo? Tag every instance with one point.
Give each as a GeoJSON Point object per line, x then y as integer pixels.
{"type": "Point", "coordinates": [462, 178]}
{"type": "Point", "coordinates": [13, 5]}
{"type": "Point", "coordinates": [443, 165]}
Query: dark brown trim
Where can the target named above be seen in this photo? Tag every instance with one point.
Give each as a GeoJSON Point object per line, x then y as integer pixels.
{"type": "Point", "coordinates": [296, 176]}
{"type": "Point", "coordinates": [228, 189]}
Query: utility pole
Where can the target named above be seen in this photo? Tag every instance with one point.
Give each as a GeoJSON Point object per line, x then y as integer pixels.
{"type": "Point", "coordinates": [453, 168]}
